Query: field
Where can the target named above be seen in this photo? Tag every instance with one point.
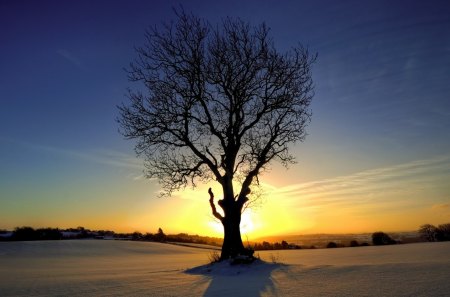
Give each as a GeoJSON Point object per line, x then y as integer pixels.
{"type": "Point", "coordinates": [125, 268]}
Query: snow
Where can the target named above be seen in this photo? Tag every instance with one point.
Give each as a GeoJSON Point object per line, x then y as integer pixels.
{"type": "Point", "coordinates": [125, 268]}
{"type": "Point", "coordinates": [6, 234]}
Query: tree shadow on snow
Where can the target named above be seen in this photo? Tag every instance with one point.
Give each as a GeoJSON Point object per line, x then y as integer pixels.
{"type": "Point", "coordinates": [237, 280]}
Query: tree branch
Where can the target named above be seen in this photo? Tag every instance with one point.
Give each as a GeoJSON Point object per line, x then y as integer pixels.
{"type": "Point", "coordinates": [213, 206]}
{"type": "Point", "coordinates": [219, 102]}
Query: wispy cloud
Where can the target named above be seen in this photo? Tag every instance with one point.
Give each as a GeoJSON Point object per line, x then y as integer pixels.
{"type": "Point", "coordinates": [411, 192]}
{"type": "Point", "coordinates": [443, 206]}
{"type": "Point", "coordinates": [109, 157]}
{"type": "Point", "coordinates": [69, 56]}
{"type": "Point", "coordinates": [100, 156]}
{"type": "Point", "coordinates": [409, 184]}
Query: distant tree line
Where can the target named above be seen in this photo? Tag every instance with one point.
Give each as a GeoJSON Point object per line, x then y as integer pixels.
{"type": "Point", "coordinates": [28, 233]}
{"type": "Point", "coordinates": [160, 236]}
{"type": "Point", "coordinates": [429, 232]}
{"type": "Point", "coordinates": [378, 238]}
{"type": "Point", "coordinates": [283, 245]}
{"type": "Point", "coordinates": [352, 243]}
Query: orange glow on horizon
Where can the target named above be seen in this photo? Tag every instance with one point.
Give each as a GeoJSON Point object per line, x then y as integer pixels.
{"type": "Point", "coordinates": [362, 202]}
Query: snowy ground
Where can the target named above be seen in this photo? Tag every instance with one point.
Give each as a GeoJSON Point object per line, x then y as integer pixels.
{"type": "Point", "coordinates": [123, 268]}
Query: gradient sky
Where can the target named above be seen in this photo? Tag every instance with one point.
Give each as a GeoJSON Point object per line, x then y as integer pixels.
{"type": "Point", "coordinates": [377, 156]}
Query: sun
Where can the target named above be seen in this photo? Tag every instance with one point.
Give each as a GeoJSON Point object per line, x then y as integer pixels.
{"type": "Point", "coordinates": [216, 228]}
{"type": "Point", "coordinates": [247, 225]}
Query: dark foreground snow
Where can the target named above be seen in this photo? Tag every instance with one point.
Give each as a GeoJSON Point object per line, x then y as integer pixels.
{"type": "Point", "coordinates": [123, 268]}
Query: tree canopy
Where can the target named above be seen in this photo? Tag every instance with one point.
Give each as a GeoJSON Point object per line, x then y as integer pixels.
{"type": "Point", "coordinates": [220, 102]}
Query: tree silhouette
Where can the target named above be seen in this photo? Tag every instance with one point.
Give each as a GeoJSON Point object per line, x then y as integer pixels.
{"type": "Point", "coordinates": [160, 236]}
{"type": "Point", "coordinates": [219, 103]}
{"type": "Point", "coordinates": [444, 232]}
{"type": "Point", "coordinates": [381, 238]}
{"type": "Point", "coordinates": [332, 245]}
{"type": "Point", "coordinates": [428, 232]}
{"type": "Point", "coordinates": [433, 233]}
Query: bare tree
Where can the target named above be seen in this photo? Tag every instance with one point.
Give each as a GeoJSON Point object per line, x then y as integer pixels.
{"type": "Point", "coordinates": [219, 104]}
{"type": "Point", "coordinates": [444, 232]}
{"type": "Point", "coordinates": [428, 232]}
{"type": "Point", "coordinates": [433, 233]}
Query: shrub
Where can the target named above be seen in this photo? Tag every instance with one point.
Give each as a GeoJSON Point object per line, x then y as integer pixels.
{"type": "Point", "coordinates": [25, 233]}
{"type": "Point", "coordinates": [214, 257]}
{"type": "Point", "coordinates": [331, 245]}
{"type": "Point", "coordinates": [354, 243]}
{"type": "Point", "coordinates": [381, 238]}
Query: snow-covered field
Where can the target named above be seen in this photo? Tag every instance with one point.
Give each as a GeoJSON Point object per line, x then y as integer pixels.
{"type": "Point", "coordinates": [124, 268]}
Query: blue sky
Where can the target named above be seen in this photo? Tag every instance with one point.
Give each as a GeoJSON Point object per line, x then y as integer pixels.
{"type": "Point", "coordinates": [381, 107]}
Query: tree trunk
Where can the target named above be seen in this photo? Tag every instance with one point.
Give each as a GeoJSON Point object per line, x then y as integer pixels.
{"type": "Point", "coordinates": [231, 220]}
{"type": "Point", "coordinates": [232, 241]}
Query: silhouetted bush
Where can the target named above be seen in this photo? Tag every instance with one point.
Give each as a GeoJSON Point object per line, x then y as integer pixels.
{"type": "Point", "coordinates": [24, 233]}
{"type": "Point", "coordinates": [381, 238]}
{"type": "Point", "coordinates": [137, 236]}
{"type": "Point", "coordinates": [214, 257]}
{"type": "Point", "coordinates": [28, 233]}
{"type": "Point", "coordinates": [332, 245]}
{"type": "Point", "coordinates": [354, 243]}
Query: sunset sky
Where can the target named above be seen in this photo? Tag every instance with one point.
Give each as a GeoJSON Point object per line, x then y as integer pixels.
{"type": "Point", "coordinates": [377, 156]}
